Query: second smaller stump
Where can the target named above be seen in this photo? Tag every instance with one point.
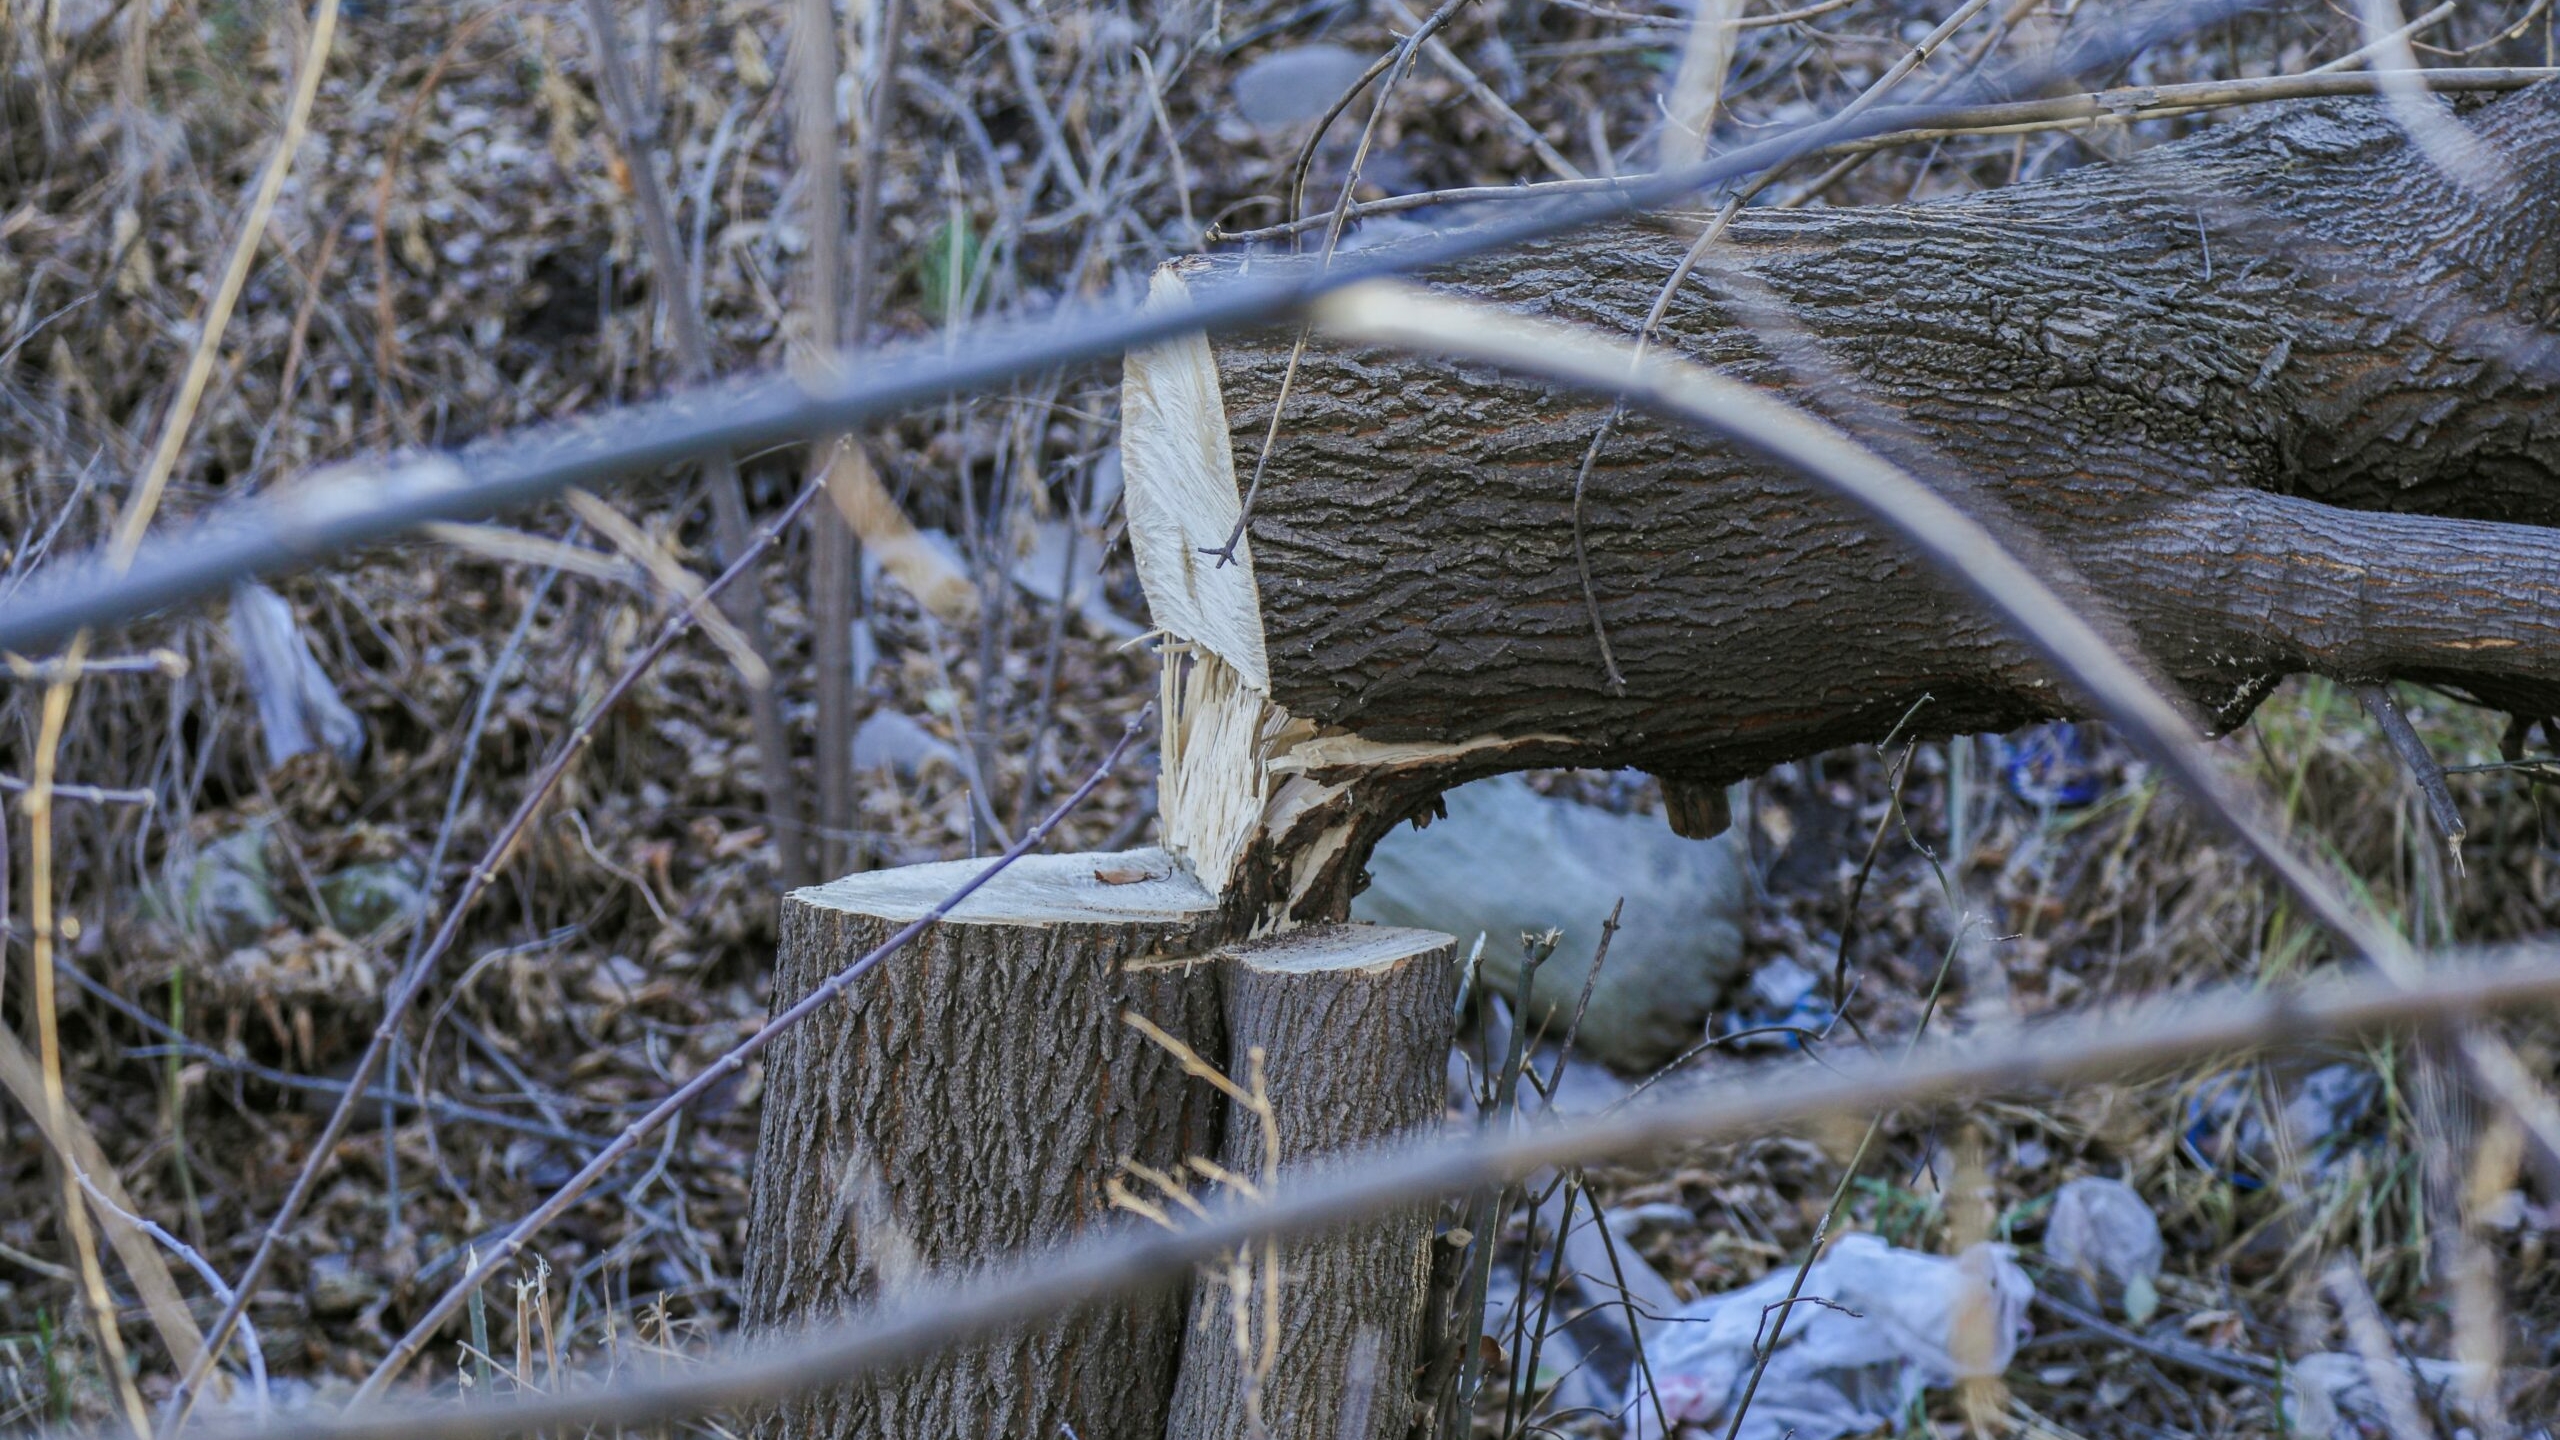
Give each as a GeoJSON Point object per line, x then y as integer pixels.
{"type": "Point", "coordinates": [1353, 1023]}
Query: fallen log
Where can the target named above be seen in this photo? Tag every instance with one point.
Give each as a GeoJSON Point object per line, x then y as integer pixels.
{"type": "Point", "coordinates": [2279, 396]}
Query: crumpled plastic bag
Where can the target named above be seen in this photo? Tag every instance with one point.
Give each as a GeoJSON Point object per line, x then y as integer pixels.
{"type": "Point", "coordinates": [1289, 86]}
{"type": "Point", "coordinates": [2103, 1234]}
{"type": "Point", "coordinates": [1921, 1321]}
{"type": "Point", "coordinates": [2317, 1119]}
{"type": "Point", "coordinates": [1061, 565]}
{"type": "Point", "coordinates": [298, 707]}
{"type": "Point", "coordinates": [899, 743]}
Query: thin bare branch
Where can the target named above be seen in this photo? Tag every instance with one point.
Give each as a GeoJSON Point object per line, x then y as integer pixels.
{"type": "Point", "coordinates": [1895, 126]}
{"type": "Point", "coordinates": [2425, 771]}
{"type": "Point", "coordinates": [635, 132]}
{"type": "Point", "coordinates": [816, 65]}
{"type": "Point", "coordinates": [371, 501]}
{"type": "Point", "coordinates": [1457, 69]}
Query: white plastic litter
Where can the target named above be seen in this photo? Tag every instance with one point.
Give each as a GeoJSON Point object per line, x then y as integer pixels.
{"type": "Point", "coordinates": [298, 707]}
{"type": "Point", "coordinates": [1920, 1321]}
{"type": "Point", "coordinates": [1508, 859]}
{"type": "Point", "coordinates": [2103, 1233]}
{"type": "Point", "coordinates": [2333, 1396]}
{"type": "Point", "coordinates": [1564, 1362]}
{"type": "Point", "coordinates": [2320, 1113]}
{"type": "Point", "coordinates": [1061, 560]}
{"type": "Point", "coordinates": [1633, 1222]}
{"type": "Point", "coordinates": [1782, 984]}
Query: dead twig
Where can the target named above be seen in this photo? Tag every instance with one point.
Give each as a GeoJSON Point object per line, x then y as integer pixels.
{"type": "Point", "coordinates": [1897, 126]}
{"type": "Point", "coordinates": [131, 525]}
{"type": "Point", "coordinates": [2425, 771]}
{"type": "Point", "coordinates": [1447, 59]}
{"type": "Point", "coordinates": [1397, 61]}
{"type": "Point", "coordinates": [815, 67]}
{"type": "Point", "coordinates": [635, 132]}
{"type": "Point", "coordinates": [250, 1349]}
{"type": "Point", "coordinates": [175, 1044]}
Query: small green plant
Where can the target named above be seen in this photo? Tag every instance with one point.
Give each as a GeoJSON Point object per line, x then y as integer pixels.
{"type": "Point", "coordinates": [1899, 1215]}
{"type": "Point", "coordinates": [947, 266]}
{"type": "Point", "coordinates": [57, 1377]}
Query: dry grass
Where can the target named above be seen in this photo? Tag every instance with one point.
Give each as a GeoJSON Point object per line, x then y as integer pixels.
{"type": "Point", "coordinates": [454, 256]}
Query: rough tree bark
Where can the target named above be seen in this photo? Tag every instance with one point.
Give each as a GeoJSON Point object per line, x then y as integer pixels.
{"type": "Point", "coordinates": [2282, 393]}
{"type": "Point", "coordinates": [1353, 1024]}
{"type": "Point", "coordinates": [968, 1101]}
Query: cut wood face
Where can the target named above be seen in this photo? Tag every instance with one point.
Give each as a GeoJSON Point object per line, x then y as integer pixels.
{"type": "Point", "coordinates": [978, 1097]}
{"type": "Point", "coordinates": [2332, 448]}
{"type": "Point", "coordinates": [1238, 773]}
{"type": "Point", "coordinates": [1339, 949]}
{"type": "Point", "coordinates": [1346, 1031]}
{"type": "Point", "coordinates": [1131, 885]}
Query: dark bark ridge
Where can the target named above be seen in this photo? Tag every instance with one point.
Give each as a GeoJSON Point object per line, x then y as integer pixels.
{"type": "Point", "coordinates": [2280, 395]}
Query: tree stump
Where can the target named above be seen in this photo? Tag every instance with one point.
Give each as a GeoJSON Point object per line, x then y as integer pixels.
{"type": "Point", "coordinates": [967, 1101]}
{"type": "Point", "coordinates": [1353, 1024]}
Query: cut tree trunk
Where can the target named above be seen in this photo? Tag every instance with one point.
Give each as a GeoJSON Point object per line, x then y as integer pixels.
{"type": "Point", "coordinates": [2282, 395]}
{"type": "Point", "coordinates": [1350, 1026]}
{"type": "Point", "coordinates": [970, 1100]}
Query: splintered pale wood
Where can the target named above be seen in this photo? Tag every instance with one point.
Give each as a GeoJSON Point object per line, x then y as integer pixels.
{"type": "Point", "coordinates": [1354, 1025]}
{"type": "Point", "coordinates": [967, 1101]}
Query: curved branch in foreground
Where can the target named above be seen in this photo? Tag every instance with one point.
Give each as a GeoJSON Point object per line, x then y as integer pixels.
{"type": "Point", "coordinates": [343, 507]}
{"type": "Point", "coordinates": [2112, 1048]}
{"type": "Point", "coordinates": [1401, 617]}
